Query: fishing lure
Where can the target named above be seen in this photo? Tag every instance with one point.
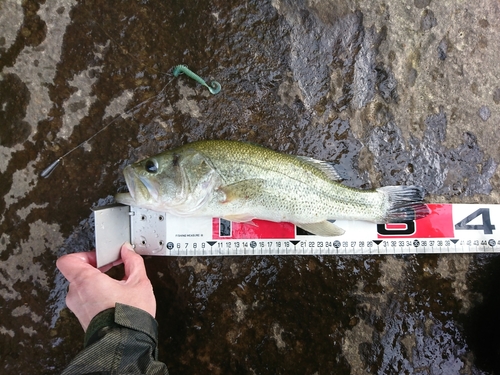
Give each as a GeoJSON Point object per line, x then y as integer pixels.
{"type": "Point", "coordinates": [214, 86]}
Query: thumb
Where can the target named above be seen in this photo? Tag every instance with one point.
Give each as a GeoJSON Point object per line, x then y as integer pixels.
{"type": "Point", "coordinates": [76, 265]}
{"type": "Point", "coordinates": [133, 263]}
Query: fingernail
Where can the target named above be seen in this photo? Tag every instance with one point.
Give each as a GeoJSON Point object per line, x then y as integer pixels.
{"type": "Point", "coordinates": [129, 246]}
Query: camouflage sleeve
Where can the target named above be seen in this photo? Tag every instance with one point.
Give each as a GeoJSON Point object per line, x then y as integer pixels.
{"type": "Point", "coordinates": [117, 341]}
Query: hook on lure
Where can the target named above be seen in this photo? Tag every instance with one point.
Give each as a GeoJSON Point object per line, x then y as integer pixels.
{"type": "Point", "coordinates": [214, 86]}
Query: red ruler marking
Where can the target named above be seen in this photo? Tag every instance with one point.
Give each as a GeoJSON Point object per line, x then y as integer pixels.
{"type": "Point", "coordinates": [260, 229]}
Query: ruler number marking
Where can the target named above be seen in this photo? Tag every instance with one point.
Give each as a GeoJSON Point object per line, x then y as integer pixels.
{"type": "Point", "coordinates": [486, 226]}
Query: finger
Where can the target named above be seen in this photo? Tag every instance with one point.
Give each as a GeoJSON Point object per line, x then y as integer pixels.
{"type": "Point", "coordinates": [72, 265]}
{"type": "Point", "coordinates": [91, 258]}
{"type": "Point", "coordinates": [107, 267]}
{"type": "Point", "coordinates": [133, 262]}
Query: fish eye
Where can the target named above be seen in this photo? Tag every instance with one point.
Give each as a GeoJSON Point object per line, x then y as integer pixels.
{"type": "Point", "coordinates": [151, 166]}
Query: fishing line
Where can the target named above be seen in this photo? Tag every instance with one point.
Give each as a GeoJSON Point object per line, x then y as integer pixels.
{"type": "Point", "coordinates": [47, 171]}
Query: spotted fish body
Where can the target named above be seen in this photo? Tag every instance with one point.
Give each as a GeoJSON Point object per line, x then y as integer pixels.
{"type": "Point", "coordinates": [240, 182]}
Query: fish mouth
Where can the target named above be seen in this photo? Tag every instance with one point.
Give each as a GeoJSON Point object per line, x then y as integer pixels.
{"type": "Point", "coordinates": [151, 187]}
{"type": "Point", "coordinates": [130, 178]}
{"type": "Point", "coordinates": [140, 187]}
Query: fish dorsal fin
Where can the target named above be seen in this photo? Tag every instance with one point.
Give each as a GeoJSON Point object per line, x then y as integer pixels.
{"type": "Point", "coordinates": [323, 166]}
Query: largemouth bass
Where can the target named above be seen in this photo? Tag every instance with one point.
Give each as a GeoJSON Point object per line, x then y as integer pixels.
{"type": "Point", "coordinates": [240, 181]}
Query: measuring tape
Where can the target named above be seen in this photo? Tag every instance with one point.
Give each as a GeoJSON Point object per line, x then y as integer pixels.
{"type": "Point", "coordinates": [449, 228]}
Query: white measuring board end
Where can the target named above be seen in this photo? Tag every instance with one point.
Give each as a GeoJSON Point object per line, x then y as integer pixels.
{"type": "Point", "coordinates": [112, 230]}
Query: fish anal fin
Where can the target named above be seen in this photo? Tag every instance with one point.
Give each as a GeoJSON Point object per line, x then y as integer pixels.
{"type": "Point", "coordinates": [323, 228]}
{"type": "Point", "coordinates": [241, 218]}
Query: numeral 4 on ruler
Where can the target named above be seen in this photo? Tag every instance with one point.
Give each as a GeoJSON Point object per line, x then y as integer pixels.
{"type": "Point", "coordinates": [486, 226]}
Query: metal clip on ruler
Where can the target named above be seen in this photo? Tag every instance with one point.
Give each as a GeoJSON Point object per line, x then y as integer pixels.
{"type": "Point", "coordinates": [449, 228]}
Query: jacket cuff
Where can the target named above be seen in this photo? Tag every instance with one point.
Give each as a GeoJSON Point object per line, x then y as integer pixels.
{"type": "Point", "coordinates": [124, 316]}
{"type": "Point", "coordinates": [99, 326]}
{"type": "Point", "coordinates": [136, 319]}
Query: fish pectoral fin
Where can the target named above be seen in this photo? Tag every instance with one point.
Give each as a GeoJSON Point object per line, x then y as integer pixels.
{"type": "Point", "coordinates": [242, 190]}
{"type": "Point", "coordinates": [323, 228]}
{"type": "Point", "coordinates": [241, 218]}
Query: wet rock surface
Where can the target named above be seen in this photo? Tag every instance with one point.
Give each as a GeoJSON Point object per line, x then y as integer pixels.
{"type": "Point", "coordinates": [392, 92]}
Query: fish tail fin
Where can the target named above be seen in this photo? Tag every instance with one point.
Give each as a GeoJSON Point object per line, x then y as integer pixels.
{"type": "Point", "coordinates": [404, 203]}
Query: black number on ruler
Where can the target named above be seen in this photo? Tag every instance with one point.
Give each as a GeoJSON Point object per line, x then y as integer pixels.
{"type": "Point", "coordinates": [409, 230]}
{"type": "Point", "coordinates": [486, 227]}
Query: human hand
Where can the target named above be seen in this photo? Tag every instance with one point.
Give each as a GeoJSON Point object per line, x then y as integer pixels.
{"type": "Point", "coordinates": [92, 291]}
